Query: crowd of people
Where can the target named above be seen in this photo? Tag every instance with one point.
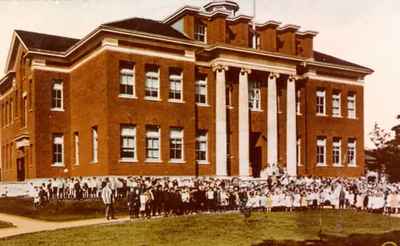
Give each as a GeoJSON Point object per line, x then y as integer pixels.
{"type": "Point", "coordinates": [165, 196]}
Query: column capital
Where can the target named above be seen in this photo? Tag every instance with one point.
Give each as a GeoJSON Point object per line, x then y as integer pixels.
{"type": "Point", "coordinates": [245, 70]}
{"type": "Point", "coordinates": [219, 67]}
{"type": "Point", "coordinates": [273, 76]}
{"type": "Point", "coordinates": [292, 78]}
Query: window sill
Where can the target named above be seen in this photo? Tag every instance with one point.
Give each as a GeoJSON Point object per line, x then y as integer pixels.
{"type": "Point", "coordinates": [299, 114]}
{"type": "Point", "coordinates": [175, 101]}
{"type": "Point", "coordinates": [127, 96]}
{"type": "Point", "coordinates": [152, 99]}
{"type": "Point", "coordinates": [94, 162]}
{"type": "Point", "coordinates": [322, 165]}
{"type": "Point", "coordinates": [256, 110]}
{"type": "Point", "coordinates": [58, 165]}
{"type": "Point", "coordinates": [76, 164]}
{"type": "Point", "coordinates": [128, 161]}
{"type": "Point", "coordinates": [153, 161]}
{"type": "Point", "coordinates": [321, 115]}
{"type": "Point", "coordinates": [177, 161]}
{"type": "Point", "coordinates": [229, 107]}
{"type": "Point", "coordinates": [352, 165]}
{"type": "Point", "coordinates": [337, 165]}
{"type": "Point", "coordinates": [203, 162]}
{"type": "Point", "coordinates": [203, 104]}
{"type": "Point", "coordinates": [57, 110]}
{"type": "Point", "coordinates": [352, 118]}
{"type": "Point", "coordinates": [337, 116]}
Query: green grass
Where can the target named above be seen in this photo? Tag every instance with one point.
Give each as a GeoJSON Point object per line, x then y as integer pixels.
{"type": "Point", "coordinates": [62, 211]}
{"type": "Point", "coordinates": [5, 224]}
{"type": "Point", "coordinates": [338, 228]}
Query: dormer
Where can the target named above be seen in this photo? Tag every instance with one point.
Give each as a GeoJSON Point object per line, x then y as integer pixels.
{"type": "Point", "coordinates": [286, 41]}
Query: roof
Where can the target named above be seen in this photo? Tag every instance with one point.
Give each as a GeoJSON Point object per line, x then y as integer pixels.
{"type": "Point", "coordinates": [147, 25]}
{"type": "Point", "coordinates": [41, 41]}
{"type": "Point", "coordinates": [321, 57]}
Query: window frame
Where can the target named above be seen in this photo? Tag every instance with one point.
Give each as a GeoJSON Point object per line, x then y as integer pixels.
{"type": "Point", "coordinates": [200, 31]}
{"type": "Point", "coordinates": [336, 109]}
{"type": "Point", "coordinates": [128, 134]}
{"type": "Point", "coordinates": [352, 97]}
{"type": "Point", "coordinates": [255, 97]}
{"type": "Point", "coordinates": [318, 152]}
{"type": "Point", "coordinates": [58, 141]}
{"type": "Point", "coordinates": [201, 85]}
{"type": "Point", "coordinates": [321, 94]}
{"type": "Point", "coordinates": [154, 136]}
{"type": "Point", "coordinates": [153, 73]}
{"type": "Point", "coordinates": [175, 75]}
{"type": "Point", "coordinates": [127, 78]}
{"type": "Point", "coordinates": [337, 152]}
{"type": "Point", "coordinates": [352, 145]}
{"type": "Point", "coordinates": [76, 149]}
{"type": "Point", "coordinates": [176, 135]}
{"type": "Point", "coordinates": [95, 144]}
{"type": "Point", "coordinates": [57, 86]}
{"type": "Point", "coordinates": [202, 138]}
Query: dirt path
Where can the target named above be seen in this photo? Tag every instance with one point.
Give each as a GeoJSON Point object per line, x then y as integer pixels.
{"type": "Point", "coordinates": [25, 225]}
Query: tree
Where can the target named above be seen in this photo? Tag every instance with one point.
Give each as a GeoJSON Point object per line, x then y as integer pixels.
{"type": "Point", "coordinates": [386, 152]}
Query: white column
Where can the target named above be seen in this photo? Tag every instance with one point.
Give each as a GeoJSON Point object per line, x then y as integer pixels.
{"type": "Point", "coordinates": [244, 138]}
{"type": "Point", "coordinates": [272, 127]}
{"type": "Point", "coordinates": [291, 132]}
{"type": "Point", "coordinates": [220, 120]}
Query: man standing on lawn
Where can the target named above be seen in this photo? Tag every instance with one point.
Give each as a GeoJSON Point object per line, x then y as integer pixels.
{"type": "Point", "coordinates": [107, 197]}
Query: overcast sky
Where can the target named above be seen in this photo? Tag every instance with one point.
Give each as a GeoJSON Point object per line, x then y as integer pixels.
{"type": "Point", "coordinates": [362, 31]}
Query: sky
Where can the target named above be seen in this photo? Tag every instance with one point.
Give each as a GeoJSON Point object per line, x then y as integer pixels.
{"type": "Point", "coordinates": [362, 31]}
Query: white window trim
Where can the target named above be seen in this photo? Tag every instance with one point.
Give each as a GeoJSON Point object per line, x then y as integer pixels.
{"type": "Point", "coordinates": [354, 142]}
{"type": "Point", "coordinates": [132, 72]}
{"type": "Point", "coordinates": [252, 88]}
{"type": "Point", "coordinates": [298, 102]}
{"type": "Point", "coordinates": [62, 163]}
{"type": "Point", "coordinates": [298, 153]}
{"type": "Point", "coordinates": [338, 97]}
{"type": "Point", "coordinates": [202, 82]}
{"type": "Point", "coordinates": [323, 95]}
{"type": "Point", "coordinates": [155, 74]}
{"type": "Point", "coordinates": [354, 97]}
{"type": "Point", "coordinates": [176, 77]}
{"type": "Point", "coordinates": [324, 164]}
{"type": "Point", "coordinates": [339, 144]}
{"type": "Point", "coordinates": [76, 149]}
{"type": "Point", "coordinates": [95, 154]}
{"type": "Point", "coordinates": [60, 85]}
{"type": "Point", "coordinates": [125, 159]}
{"type": "Point", "coordinates": [206, 161]}
{"type": "Point", "coordinates": [182, 160]}
{"type": "Point", "coordinates": [159, 159]}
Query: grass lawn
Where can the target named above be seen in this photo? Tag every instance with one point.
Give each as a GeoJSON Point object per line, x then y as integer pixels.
{"type": "Point", "coordinates": [5, 225]}
{"type": "Point", "coordinates": [63, 211]}
{"type": "Point", "coordinates": [338, 228]}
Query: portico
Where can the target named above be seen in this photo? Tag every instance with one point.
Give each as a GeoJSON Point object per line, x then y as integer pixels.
{"type": "Point", "coordinates": [271, 78]}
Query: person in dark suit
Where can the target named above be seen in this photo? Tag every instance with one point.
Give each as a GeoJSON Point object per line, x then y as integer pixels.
{"type": "Point", "coordinates": [133, 203]}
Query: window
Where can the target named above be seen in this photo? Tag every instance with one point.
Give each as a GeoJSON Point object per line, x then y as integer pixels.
{"type": "Point", "coordinates": [298, 102]}
{"type": "Point", "coordinates": [201, 89]}
{"type": "Point", "coordinates": [25, 120]}
{"type": "Point", "coordinates": [254, 95]}
{"type": "Point", "coordinates": [95, 145]}
{"type": "Point", "coordinates": [351, 106]}
{"type": "Point", "coordinates": [336, 107]}
{"type": "Point", "coordinates": [298, 151]}
{"type": "Point", "coordinates": [351, 152]}
{"type": "Point", "coordinates": [175, 84]}
{"type": "Point", "coordinates": [58, 150]}
{"type": "Point", "coordinates": [152, 85]}
{"type": "Point", "coordinates": [128, 143]}
{"type": "Point", "coordinates": [11, 111]}
{"type": "Point", "coordinates": [200, 32]}
{"type": "Point", "coordinates": [127, 79]}
{"type": "Point", "coordinates": [57, 95]}
{"type": "Point", "coordinates": [176, 144]}
{"type": "Point", "coordinates": [279, 100]}
{"type": "Point", "coordinates": [76, 148]}
{"type": "Point", "coordinates": [321, 102]}
{"type": "Point", "coordinates": [201, 147]}
{"type": "Point", "coordinates": [337, 152]}
{"type": "Point", "coordinates": [153, 143]}
{"type": "Point", "coordinates": [321, 151]}
{"type": "Point", "coordinates": [228, 95]}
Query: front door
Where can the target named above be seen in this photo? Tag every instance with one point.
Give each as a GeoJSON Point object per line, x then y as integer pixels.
{"type": "Point", "coordinates": [21, 169]}
{"type": "Point", "coordinates": [255, 154]}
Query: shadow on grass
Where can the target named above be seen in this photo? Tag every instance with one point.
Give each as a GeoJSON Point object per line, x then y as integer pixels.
{"type": "Point", "coordinates": [66, 210]}
{"type": "Point", "coordinates": [352, 240]}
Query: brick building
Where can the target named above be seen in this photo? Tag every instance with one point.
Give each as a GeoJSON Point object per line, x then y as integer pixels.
{"type": "Point", "coordinates": [199, 93]}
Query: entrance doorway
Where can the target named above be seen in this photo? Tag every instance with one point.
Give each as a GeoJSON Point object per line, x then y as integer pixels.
{"type": "Point", "coordinates": [255, 154]}
{"type": "Point", "coordinates": [21, 169]}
